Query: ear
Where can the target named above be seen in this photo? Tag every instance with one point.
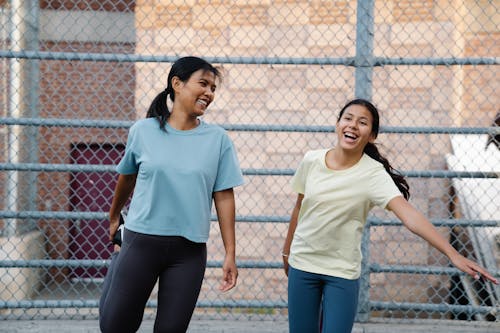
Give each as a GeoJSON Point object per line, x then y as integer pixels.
{"type": "Point", "coordinates": [176, 83]}
{"type": "Point", "coordinates": [372, 138]}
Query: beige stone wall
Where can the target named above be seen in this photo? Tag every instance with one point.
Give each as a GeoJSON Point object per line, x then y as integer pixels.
{"type": "Point", "coordinates": [258, 94]}
{"type": "Point", "coordinates": [279, 94]}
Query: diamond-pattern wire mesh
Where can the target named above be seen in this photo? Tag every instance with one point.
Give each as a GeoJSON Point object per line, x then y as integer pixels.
{"type": "Point", "coordinates": [286, 64]}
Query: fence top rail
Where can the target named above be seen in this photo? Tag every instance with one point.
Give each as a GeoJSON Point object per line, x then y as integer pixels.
{"type": "Point", "coordinates": [99, 123]}
{"type": "Point", "coordinates": [49, 167]}
{"type": "Point", "coordinates": [322, 61]}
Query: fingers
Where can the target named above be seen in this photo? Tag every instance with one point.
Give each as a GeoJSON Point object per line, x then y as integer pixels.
{"type": "Point", "coordinates": [229, 278]}
{"type": "Point", "coordinates": [285, 266]}
{"type": "Point", "coordinates": [228, 281]}
{"type": "Point", "coordinates": [477, 272]}
{"type": "Point", "coordinates": [113, 227]}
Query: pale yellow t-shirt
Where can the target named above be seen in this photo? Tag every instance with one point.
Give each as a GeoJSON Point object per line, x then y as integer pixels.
{"type": "Point", "coordinates": [336, 203]}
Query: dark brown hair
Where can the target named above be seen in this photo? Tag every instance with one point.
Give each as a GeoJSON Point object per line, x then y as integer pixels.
{"type": "Point", "coordinates": [372, 150]}
{"type": "Point", "coordinates": [183, 68]}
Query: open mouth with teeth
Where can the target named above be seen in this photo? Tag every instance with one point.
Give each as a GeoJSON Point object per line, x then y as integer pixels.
{"type": "Point", "coordinates": [202, 102]}
{"type": "Point", "coordinates": [350, 136]}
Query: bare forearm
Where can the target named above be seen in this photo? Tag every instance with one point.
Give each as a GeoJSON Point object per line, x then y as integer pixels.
{"type": "Point", "coordinates": [418, 224]}
{"type": "Point", "coordinates": [225, 206]}
{"type": "Point", "coordinates": [291, 231]}
{"type": "Point", "coordinates": [293, 224]}
{"type": "Point", "coordinates": [123, 190]}
{"type": "Point", "coordinates": [426, 230]}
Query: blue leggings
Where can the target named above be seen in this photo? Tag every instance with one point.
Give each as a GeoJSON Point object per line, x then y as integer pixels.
{"type": "Point", "coordinates": [179, 266]}
{"type": "Point", "coordinates": [316, 298]}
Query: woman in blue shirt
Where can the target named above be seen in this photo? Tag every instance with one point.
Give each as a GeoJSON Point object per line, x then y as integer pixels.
{"type": "Point", "coordinates": [176, 165]}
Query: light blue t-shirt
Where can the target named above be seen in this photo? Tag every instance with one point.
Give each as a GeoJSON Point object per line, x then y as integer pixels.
{"type": "Point", "coordinates": [177, 173]}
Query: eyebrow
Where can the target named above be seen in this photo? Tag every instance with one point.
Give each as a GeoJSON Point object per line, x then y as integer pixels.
{"type": "Point", "coordinates": [352, 115]}
{"type": "Point", "coordinates": [208, 82]}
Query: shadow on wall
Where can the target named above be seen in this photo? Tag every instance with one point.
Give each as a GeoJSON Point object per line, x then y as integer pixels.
{"type": "Point", "coordinates": [476, 197]}
{"type": "Point", "coordinates": [21, 283]}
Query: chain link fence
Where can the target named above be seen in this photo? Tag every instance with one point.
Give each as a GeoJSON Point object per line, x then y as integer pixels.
{"type": "Point", "coordinates": [76, 74]}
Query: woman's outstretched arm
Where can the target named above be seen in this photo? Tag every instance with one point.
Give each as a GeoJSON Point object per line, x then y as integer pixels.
{"type": "Point", "coordinates": [417, 223]}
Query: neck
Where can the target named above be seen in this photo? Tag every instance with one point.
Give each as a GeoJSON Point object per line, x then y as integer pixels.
{"type": "Point", "coordinates": [339, 159]}
{"type": "Point", "coordinates": [181, 122]}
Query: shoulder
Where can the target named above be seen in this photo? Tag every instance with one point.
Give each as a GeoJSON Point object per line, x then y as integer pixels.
{"type": "Point", "coordinates": [311, 158]}
{"type": "Point", "coordinates": [375, 173]}
{"type": "Point", "coordinates": [214, 133]}
{"type": "Point", "coordinates": [314, 155]}
{"type": "Point", "coordinates": [212, 128]}
{"type": "Point", "coordinates": [370, 163]}
{"type": "Point", "coordinates": [146, 123]}
{"type": "Point", "coordinates": [143, 130]}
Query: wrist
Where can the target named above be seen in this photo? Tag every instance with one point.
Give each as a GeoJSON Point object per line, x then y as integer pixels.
{"type": "Point", "coordinates": [283, 254]}
{"type": "Point", "coordinates": [230, 254]}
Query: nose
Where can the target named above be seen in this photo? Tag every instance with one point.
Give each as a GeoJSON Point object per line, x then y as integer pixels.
{"type": "Point", "coordinates": [209, 92]}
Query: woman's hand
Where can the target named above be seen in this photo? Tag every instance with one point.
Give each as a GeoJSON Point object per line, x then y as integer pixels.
{"type": "Point", "coordinates": [415, 221]}
{"type": "Point", "coordinates": [124, 187]}
{"type": "Point", "coordinates": [229, 274]}
{"type": "Point", "coordinates": [472, 268]}
{"type": "Point", "coordinates": [114, 222]}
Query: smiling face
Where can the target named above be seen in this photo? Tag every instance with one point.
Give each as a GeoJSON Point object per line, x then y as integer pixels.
{"type": "Point", "coordinates": [355, 128]}
{"type": "Point", "coordinates": [195, 95]}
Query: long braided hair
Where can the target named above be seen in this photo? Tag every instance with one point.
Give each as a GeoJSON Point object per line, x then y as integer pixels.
{"type": "Point", "coordinates": [372, 150]}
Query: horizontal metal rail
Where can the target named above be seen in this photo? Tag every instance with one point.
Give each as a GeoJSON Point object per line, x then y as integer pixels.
{"type": "Point", "coordinates": [49, 167]}
{"type": "Point", "coordinates": [96, 263]}
{"type": "Point", "coordinates": [442, 307]}
{"type": "Point", "coordinates": [425, 270]}
{"type": "Point", "coordinates": [372, 221]}
{"type": "Point", "coordinates": [346, 61]}
{"type": "Point", "coordinates": [37, 304]}
{"type": "Point", "coordinates": [100, 123]}
{"type": "Point", "coordinates": [101, 263]}
{"type": "Point", "coordinates": [253, 304]}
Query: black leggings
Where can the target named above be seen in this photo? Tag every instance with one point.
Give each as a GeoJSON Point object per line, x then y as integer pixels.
{"type": "Point", "coordinates": [176, 262]}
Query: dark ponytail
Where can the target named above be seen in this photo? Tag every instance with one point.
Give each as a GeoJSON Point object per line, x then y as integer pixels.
{"type": "Point", "coordinates": [372, 150]}
{"type": "Point", "coordinates": [159, 109]}
{"type": "Point", "coordinates": [183, 68]}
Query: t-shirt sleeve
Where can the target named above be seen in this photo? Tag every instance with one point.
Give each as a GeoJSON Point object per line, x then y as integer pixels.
{"type": "Point", "coordinates": [128, 164]}
{"type": "Point", "coordinates": [298, 181]}
{"type": "Point", "coordinates": [383, 188]}
{"type": "Point", "coordinates": [228, 173]}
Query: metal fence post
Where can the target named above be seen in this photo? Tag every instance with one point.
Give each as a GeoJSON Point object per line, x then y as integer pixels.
{"type": "Point", "coordinates": [364, 281]}
{"type": "Point", "coordinates": [364, 49]}
{"type": "Point", "coordinates": [363, 89]}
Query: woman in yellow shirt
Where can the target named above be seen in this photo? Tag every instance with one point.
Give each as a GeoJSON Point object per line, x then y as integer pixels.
{"type": "Point", "coordinates": [336, 189]}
